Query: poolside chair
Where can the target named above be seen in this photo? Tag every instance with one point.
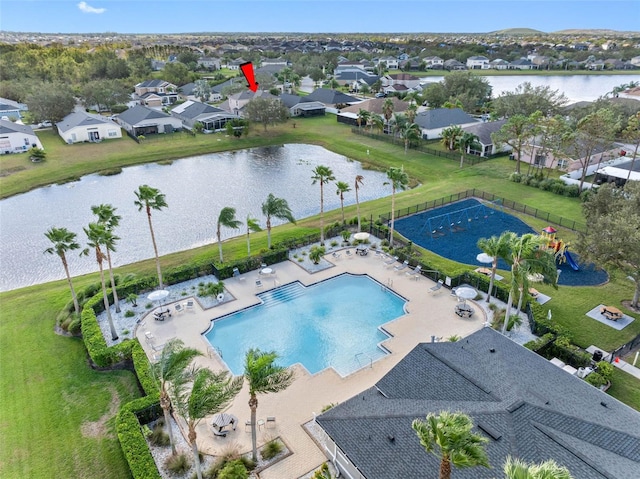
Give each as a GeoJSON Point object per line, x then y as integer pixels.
{"type": "Point", "coordinates": [416, 272]}
{"type": "Point", "coordinates": [349, 254]}
{"type": "Point", "coordinates": [437, 287]}
{"type": "Point", "coordinates": [402, 266]}
{"type": "Point", "coordinates": [190, 304]}
{"type": "Point", "coordinates": [271, 421]}
{"type": "Point", "coordinates": [179, 308]}
{"type": "Point", "coordinates": [336, 255]}
{"type": "Point", "coordinates": [259, 283]}
{"type": "Point", "coordinates": [148, 335]}
{"type": "Point", "coordinates": [390, 261]}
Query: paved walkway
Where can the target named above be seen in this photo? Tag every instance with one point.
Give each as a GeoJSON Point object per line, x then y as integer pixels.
{"type": "Point", "coordinates": [427, 314]}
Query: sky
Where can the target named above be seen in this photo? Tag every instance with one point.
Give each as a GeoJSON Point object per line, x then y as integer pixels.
{"type": "Point", "coordinates": [314, 16]}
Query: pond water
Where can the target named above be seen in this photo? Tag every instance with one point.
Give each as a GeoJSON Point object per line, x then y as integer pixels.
{"type": "Point", "coordinates": [196, 190]}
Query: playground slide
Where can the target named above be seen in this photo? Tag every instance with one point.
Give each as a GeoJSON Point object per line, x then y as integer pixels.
{"type": "Point", "coordinates": [571, 261]}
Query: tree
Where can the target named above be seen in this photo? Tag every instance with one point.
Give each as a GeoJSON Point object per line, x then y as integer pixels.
{"type": "Point", "coordinates": [323, 175]}
{"type": "Point", "coordinates": [173, 362]}
{"type": "Point", "coordinates": [210, 393]}
{"type": "Point", "coordinates": [363, 117]}
{"type": "Point", "coordinates": [107, 216]}
{"type": "Point", "coordinates": [613, 237]}
{"type": "Point", "coordinates": [342, 188]}
{"type": "Point", "coordinates": [470, 90]}
{"type": "Point", "coordinates": [50, 101]}
{"type": "Point", "coordinates": [276, 208]}
{"type": "Point", "coordinates": [252, 225]}
{"type": "Point", "coordinates": [378, 122]}
{"type": "Point", "coordinates": [202, 90]}
{"type": "Point", "coordinates": [592, 134]}
{"type": "Point", "coordinates": [359, 181]}
{"type": "Point", "coordinates": [496, 248]}
{"type": "Point", "coordinates": [448, 436]}
{"type": "Point", "coordinates": [387, 110]}
{"type": "Point", "coordinates": [398, 179]}
{"type": "Point", "coordinates": [151, 199]}
{"type": "Point", "coordinates": [263, 377]}
{"type": "Point", "coordinates": [527, 99]}
{"type": "Point", "coordinates": [177, 73]}
{"type": "Point", "coordinates": [104, 94]}
{"type": "Point", "coordinates": [98, 235]}
{"type": "Point", "coordinates": [64, 241]}
{"type": "Point", "coordinates": [409, 132]}
{"type": "Point", "coordinates": [450, 136]}
{"type": "Point", "coordinates": [266, 111]}
{"type": "Point", "coordinates": [517, 469]}
{"type": "Point", "coordinates": [632, 133]}
{"type": "Point", "coordinates": [465, 142]}
{"type": "Point", "coordinates": [226, 218]}
{"type": "Point", "coordinates": [516, 132]}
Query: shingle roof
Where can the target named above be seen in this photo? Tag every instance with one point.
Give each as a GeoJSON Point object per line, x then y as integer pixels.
{"type": "Point", "coordinates": [442, 118]}
{"type": "Point", "coordinates": [329, 97]}
{"type": "Point", "coordinates": [484, 130]}
{"type": "Point", "coordinates": [192, 109]}
{"type": "Point", "coordinates": [138, 113]}
{"type": "Point", "coordinates": [7, 126]}
{"type": "Point", "coordinates": [375, 105]}
{"type": "Point", "coordinates": [79, 118]}
{"type": "Point", "coordinates": [535, 410]}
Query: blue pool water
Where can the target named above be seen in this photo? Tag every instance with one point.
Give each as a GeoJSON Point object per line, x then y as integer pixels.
{"type": "Point", "coordinates": [333, 323]}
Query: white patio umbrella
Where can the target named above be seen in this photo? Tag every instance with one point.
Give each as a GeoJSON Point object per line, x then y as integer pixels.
{"type": "Point", "coordinates": [158, 295]}
{"type": "Point", "coordinates": [361, 236]}
{"type": "Point", "coordinates": [484, 258]}
{"type": "Point", "coordinates": [466, 292]}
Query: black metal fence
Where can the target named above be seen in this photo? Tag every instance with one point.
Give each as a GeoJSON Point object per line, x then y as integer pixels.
{"type": "Point", "coordinates": [626, 348]}
{"type": "Point", "coordinates": [497, 200]}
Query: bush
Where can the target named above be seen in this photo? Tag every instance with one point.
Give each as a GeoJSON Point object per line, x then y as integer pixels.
{"type": "Point", "coordinates": [540, 343]}
{"type": "Point", "coordinates": [233, 470]}
{"type": "Point", "coordinates": [129, 314]}
{"type": "Point", "coordinates": [605, 370]}
{"type": "Point", "coordinates": [515, 177]}
{"type": "Point", "coordinates": [271, 449]}
{"type": "Point", "coordinates": [179, 464]}
{"type": "Point", "coordinates": [596, 379]}
{"type": "Point", "coordinates": [316, 253]}
{"type": "Point", "coordinates": [159, 437]}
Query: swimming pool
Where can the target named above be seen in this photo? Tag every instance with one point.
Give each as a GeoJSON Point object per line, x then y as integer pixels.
{"type": "Point", "coordinates": [334, 323]}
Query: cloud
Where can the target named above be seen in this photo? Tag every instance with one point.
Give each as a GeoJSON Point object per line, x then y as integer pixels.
{"type": "Point", "coordinates": [84, 7]}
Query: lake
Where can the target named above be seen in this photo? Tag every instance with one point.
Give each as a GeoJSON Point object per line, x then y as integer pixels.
{"type": "Point", "coordinates": [196, 190]}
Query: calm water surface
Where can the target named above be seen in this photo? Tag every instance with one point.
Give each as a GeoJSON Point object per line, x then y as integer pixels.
{"type": "Point", "coordinates": [196, 190]}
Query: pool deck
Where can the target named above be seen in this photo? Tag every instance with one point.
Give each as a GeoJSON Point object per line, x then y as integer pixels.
{"type": "Point", "coordinates": [427, 314]}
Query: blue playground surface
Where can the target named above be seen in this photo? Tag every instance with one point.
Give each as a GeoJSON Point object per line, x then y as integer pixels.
{"type": "Point", "coordinates": [453, 231]}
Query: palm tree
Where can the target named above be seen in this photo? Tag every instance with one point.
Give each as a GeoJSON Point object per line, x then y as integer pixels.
{"type": "Point", "coordinates": [276, 208]}
{"type": "Point", "coordinates": [98, 235]}
{"type": "Point", "coordinates": [358, 182]}
{"type": "Point", "coordinates": [398, 179]}
{"type": "Point", "coordinates": [450, 136]}
{"type": "Point", "coordinates": [449, 437]}
{"type": "Point", "coordinates": [252, 225]}
{"type": "Point", "coordinates": [387, 110]}
{"type": "Point", "coordinates": [151, 199]}
{"type": "Point", "coordinates": [64, 241]}
{"type": "Point", "coordinates": [363, 117]}
{"type": "Point", "coordinates": [263, 377]}
{"type": "Point", "coordinates": [496, 248]}
{"type": "Point", "coordinates": [517, 469]}
{"type": "Point", "coordinates": [226, 218]}
{"type": "Point", "coordinates": [322, 174]}
{"type": "Point", "coordinates": [210, 393]}
{"type": "Point", "coordinates": [378, 122]}
{"type": "Point", "coordinates": [107, 215]}
{"type": "Point", "coordinates": [465, 141]}
{"type": "Point", "coordinates": [412, 112]}
{"type": "Point", "coordinates": [342, 189]}
{"type": "Point", "coordinates": [173, 362]}
{"type": "Point", "coordinates": [409, 132]}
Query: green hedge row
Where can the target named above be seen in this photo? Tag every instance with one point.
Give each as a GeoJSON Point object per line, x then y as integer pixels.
{"type": "Point", "coordinates": [554, 185]}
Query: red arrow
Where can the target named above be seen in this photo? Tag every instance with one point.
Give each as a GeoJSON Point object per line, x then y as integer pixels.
{"type": "Point", "coordinates": [247, 71]}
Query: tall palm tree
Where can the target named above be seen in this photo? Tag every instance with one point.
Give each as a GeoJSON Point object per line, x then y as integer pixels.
{"type": "Point", "coordinates": [173, 362]}
{"type": "Point", "coordinates": [450, 136]}
{"type": "Point", "coordinates": [252, 225]}
{"type": "Point", "coordinates": [517, 469]}
{"type": "Point", "coordinates": [263, 377]}
{"type": "Point", "coordinates": [151, 199]}
{"type": "Point", "coordinates": [409, 132]}
{"type": "Point", "coordinates": [496, 247]}
{"type": "Point", "coordinates": [64, 241]}
{"type": "Point", "coordinates": [226, 218]}
{"type": "Point", "coordinates": [276, 208]}
{"type": "Point", "coordinates": [465, 141]}
{"type": "Point", "coordinates": [449, 437]}
{"type": "Point", "coordinates": [398, 180]}
{"type": "Point", "coordinates": [342, 188]}
{"type": "Point", "coordinates": [358, 182]}
{"type": "Point", "coordinates": [378, 122]}
{"type": "Point", "coordinates": [98, 235]}
{"type": "Point", "coordinates": [323, 175]}
{"type": "Point", "coordinates": [363, 117]}
{"type": "Point", "coordinates": [107, 215]}
{"type": "Point", "coordinates": [198, 392]}
{"type": "Point", "coordinates": [412, 112]}
{"type": "Point", "coordinates": [387, 110]}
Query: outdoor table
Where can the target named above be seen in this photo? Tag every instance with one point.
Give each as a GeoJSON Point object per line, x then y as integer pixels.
{"type": "Point", "coordinates": [220, 421]}
{"type": "Point", "coordinates": [266, 271]}
{"type": "Point", "coordinates": [362, 250]}
{"type": "Point", "coordinates": [611, 312]}
{"type": "Point", "coordinates": [485, 271]}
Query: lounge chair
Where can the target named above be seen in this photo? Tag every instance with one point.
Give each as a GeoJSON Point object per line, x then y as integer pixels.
{"type": "Point", "coordinates": [158, 316]}
{"type": "Point", "coordinates": [402, 266]}
{"type": "Point", "coordinates": [148, 335]}
{"type": "Point", "coordinates": [349, 254]}
{"type": "Point", "coordinates": [271, 420]}
{"type": "Point", "coordinates": [336, 255]}
{"type": "Point", "coordinates": [437, 287]}
{"type": "Point", "coordinates": [258, 283]}
{"type": "Point", "coordinates": [179, 308]}
{"type": "Point", "coordinates": [190, 304]}
{"type": "Point", "coordinates": [390, 261]}
{"type": "Point", "coordinates": [415, 272]}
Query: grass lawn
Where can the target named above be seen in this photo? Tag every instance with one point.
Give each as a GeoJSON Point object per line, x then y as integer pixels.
{"type": "Point", "coordinates": [625, 388]}
{"type": "Point", "coordinates": [56, 413]}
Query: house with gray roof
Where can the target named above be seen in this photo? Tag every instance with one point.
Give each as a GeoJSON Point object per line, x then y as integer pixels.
{"type": "Point", "coordinates": [211, 118]}
{"type": "Point", "coordinates": [11, 109]}
{"type": "Point", "coordinates": [142, 120]}
{"type": "Point", "coordinates": [17, 138]}
{"type": "Point", "coordinates": [298, 107]}
{"type": "Point", "coordinates": [525, 406]}
{"type": "Point", "coordinates": [432, 122]}
{"type": "Point", "coordinates": [330, 98]}
{"type": "Point", "coordinates": [483, 131]}
{"type": "Point", "coordinates": [79, 127]}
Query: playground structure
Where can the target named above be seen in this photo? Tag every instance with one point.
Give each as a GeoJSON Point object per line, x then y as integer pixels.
{"type": "Point", "coordinates": [559, 247]}
{"type": "Point", "coordinates": [456, 221]}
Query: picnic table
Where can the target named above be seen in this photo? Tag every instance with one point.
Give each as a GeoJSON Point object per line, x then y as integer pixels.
{"type": "Point", "coordinates": [611, 312]}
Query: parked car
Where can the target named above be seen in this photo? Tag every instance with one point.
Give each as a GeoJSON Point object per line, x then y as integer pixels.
{"type": "Point", "coordinates": [381, 95]}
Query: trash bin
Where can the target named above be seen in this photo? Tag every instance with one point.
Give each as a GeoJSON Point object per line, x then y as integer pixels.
{"type": "Point", "coordinates": [597, 355]}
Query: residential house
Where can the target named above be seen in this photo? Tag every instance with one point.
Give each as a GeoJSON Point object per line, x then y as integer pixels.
{"type": "Point", "coordinates": [533, 154]}
{"type": "Point", "coordinates": [409, 81]}
{"type": "Point", "coordinates": [331, 98]}
{"type": "Point", "coordinates": [236, 102]}
{"type": "Point", "coordinates": [79, 127]}
{"type": "Point", "coordinates": [349, 115]}
{"type": "Point", "coordinates": [209, 63]}
{"type": "Point", "coordinates": [17, 138]}
{"type": "Point", "coordinates": [453, 64]}
{"type": "Point", "coordinates": [299, 107]}
{"type": "Point", "coordinates": [478, 62]}
{"type": "Point", "coordinates": [499, 64]}
{"type": "Point", "coordinates": [483, 131]}
{"type": "Point", "coordinates": [11, 109]}
{"type": "Point", "coordinates": [521, 64]}
{"type": "Point", "coordinates": [397, 89]}
{"type": "Point", "coordinates": [186, 93]}
{"type": "Point", "coordinates": [155, 86]}
{"type": "Point", "coordinates": [141, 120]}
{"type": "Point", "coordinates": [211, 118]}
{"type": "Point", "coordinates": [355, 76]}
{"type": "Point", "coordinates": [235, 64]}
{"type": "Point", "coordinates": [275, 61]}
{"type": "Point", "coordinates": [390, 62]}
{"type": "Point", "coordinates": [156, 93]}
{"type": "Point", "coordinates": [433, 62]}
{"type": "Point", "coordinates": [523, 405]}
{"type": "Point", "coordinates": [432, 122]}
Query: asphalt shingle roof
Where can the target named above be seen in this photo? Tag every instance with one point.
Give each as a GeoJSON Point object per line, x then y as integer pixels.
{"type": "Point", "coordinates": [138, 113]}
{"type": "Point", "coordinates": [329, 97]}
{"type": "Point", "coordinates": [442, 118]}
{"type": "Point", "coordinates": [7, 126]}
{"type": "Point", "coordinates": [484, 130]}
{"type": "Point", "coordinates": [525, 405]}
{"type": "Point", "coordinates": [79, 118]}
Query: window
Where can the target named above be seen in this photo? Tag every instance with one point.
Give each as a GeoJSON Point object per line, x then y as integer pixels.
{"type": "Point", "coordinates": [540, 160]}
{"type": "Point", "coordinates": [27, 142]}
{"type": "Point", "coordinates": [112, 133]}
{"type": "Point", "coordinates": [562, 164]}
